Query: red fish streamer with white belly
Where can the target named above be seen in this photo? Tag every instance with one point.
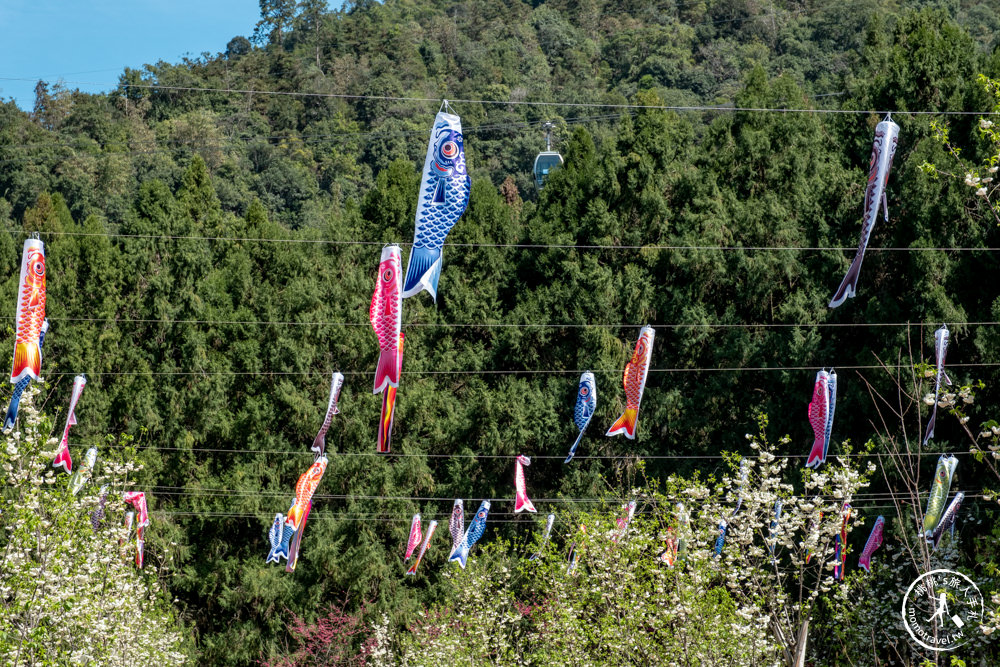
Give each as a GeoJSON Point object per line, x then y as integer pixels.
{"type": "Point", "coordinates": [386, 315]}
{"type": "Point", "coordinates": [30, 313]}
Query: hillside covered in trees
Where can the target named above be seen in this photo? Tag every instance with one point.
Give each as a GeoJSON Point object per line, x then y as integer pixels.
{"type": "Point", "coordinates": [213, 229]}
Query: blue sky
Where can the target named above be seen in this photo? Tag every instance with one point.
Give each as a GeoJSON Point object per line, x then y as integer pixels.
{"type": "Point", "coordinates": [94, 40]}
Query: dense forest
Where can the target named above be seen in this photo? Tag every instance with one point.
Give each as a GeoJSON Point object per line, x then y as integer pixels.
{"type": "Point", "coordinates": [213, 229]}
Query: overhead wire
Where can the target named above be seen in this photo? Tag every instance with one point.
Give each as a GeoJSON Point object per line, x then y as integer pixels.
{"type": "Point", "coordinates": [521, 246]}
{"type": "Point", "coordinates": [511, 371]}
{"type": "Point", "coordinates": [584, 457]}
{"type": "Point", "coordinates": [519, 325]}
{"type": "Point", "coordinates": [526, 103]}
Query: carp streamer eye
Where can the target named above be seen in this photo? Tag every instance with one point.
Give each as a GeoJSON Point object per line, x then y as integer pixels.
{"type": "Point", "coordinates": [584, 391]}
{"type": "Point", "coordinates": [39, 268]}
{"type": "Point", "coordinates": [387, 275]}
{"type": "Point", "coordinates": [449, 149]}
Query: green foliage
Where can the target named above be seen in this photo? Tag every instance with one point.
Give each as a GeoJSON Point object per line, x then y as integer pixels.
{"type": "Point", "coordinates": [232, 283]}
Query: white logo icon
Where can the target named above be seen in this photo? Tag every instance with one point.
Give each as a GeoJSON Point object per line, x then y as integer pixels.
{"type": "Point", "coordinates": [940, 608]}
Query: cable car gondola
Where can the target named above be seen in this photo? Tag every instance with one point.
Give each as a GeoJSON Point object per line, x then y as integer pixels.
{"type": "Point", "coordinates": [547, 160]}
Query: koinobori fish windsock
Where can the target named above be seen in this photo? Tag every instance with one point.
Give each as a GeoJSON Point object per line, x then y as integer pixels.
{"type": "Point", "coordinates": [720, 541]}
{"type": "Point", "coordinates": [472, 535]}
{"type": "Point", "coordinates": [831, 390]}
{"type": "Point", "coordinates": [840, 544]}
{"type": "Point", "coordinates": [284, 533]}
{"type": "Point", "coordinates": [274, 535]}
{"type": "Point", "coordinates": [456, 525]}
{"type": "Point", "coordinates": [137, 499]}
{"type": "Point", "coordinates": [30, 314]}
{"type": "Point", "coordinates": [545, 537]}
{"type": "Point", "coordinates": [521, 502]}
{"type": "Point", "coordinates": [940, 488]}
{"type": "Point", "coordinates": [873, 543]}
{"type": "Point", "coordinates": [947, 522]}
{"type": "Point", "coordinates": [636, 371]}
{"type": "Point", "coordinates": [383, 444]}
{"type": "Point", "coordinates": [63, 459]}
{"type": "Point", "coordinates": [22, 384]}
{"type": "Point", "coordinates": [304, 490]}
{"type": "Point", "coordinates": [586, 403]}
{"type": "Point", "coordinates": [941, 337]}
{"type": "Point", "coordinates": [669, 554]}
{"type": "Point", "coordinates": [772, 530]}
{"type": "Point", "coordinates": [423, 548]}
{"type": "Point", "coordinates": [386, 317]}
{"type": "Point", "coordinates": [296, 542]}
{"type": "Point", "coordinates": [883, 148]}
{"type": "Point", "coordinates": [97, 516]}
{"type": "Point", "coordinates": [140, 546]}
{"type": "Point", "coordinates": [414, 538]}
{"type": "Point", "coordinates": [819, 417]}
{"type": "Point", "coordinates": [332, 408]}
{"type": "Point", "coordinates": [444, 194]}
{"type": "Point", "coordinates": [83, 472]}
{"type": "Point", "coordinates": [624, 521]}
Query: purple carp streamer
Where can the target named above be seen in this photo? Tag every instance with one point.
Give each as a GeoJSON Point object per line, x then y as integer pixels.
{"type": "Point", "coordinates": [941, 338]}
{"type": "Point", "coordinates": [873, 543]}
{"type": "Point", "coordinates": [332, 408]}
{"type": "Point", "coordinates": [883, 149]}
{"type": "Point", "coordinates": [456, 526]}
{"type": "Point", "coordinates": [97, 516]}
{"type": "Point", "coordinates": [947, 522]}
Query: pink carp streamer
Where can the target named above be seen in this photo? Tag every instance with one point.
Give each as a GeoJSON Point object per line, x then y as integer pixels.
{"type": "Point", "coordinates": [414, 540]}
{"type": "Point", "coordinates": [423, 548]}
{"type": "Point", "coordinates": [873, 543]}
{"type": "Point", "coordinates": [63, 459]}
{"type": "Point", "coordinates": [521, 502]}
